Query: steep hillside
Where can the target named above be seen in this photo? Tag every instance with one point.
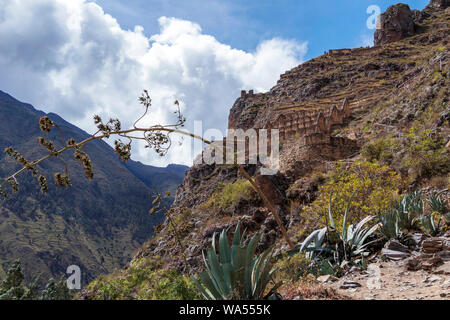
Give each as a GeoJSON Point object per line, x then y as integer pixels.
{"type": "Point", "coordinates": [95, 224]}
{"type": "Point", "coordinates": [372, 119]}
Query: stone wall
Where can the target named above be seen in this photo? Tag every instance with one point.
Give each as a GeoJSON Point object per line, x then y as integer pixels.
{"type": "Point", "coordinates": [311, 127]}
{"type": "Point", "coordinates": [244, 93]}
{"type": "Point", "coordinates": [334, 52]}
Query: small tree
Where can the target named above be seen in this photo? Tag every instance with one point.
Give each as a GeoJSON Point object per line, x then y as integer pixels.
{"type": "Point", "coordinates": [13, 287]}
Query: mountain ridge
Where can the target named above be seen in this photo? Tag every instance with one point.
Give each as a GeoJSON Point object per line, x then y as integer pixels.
{"type": "Point", "coordinates": [88, 215]}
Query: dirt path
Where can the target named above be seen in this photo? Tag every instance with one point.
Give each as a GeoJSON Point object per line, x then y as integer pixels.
{"type": "Point", "coordinates": [391, 281]}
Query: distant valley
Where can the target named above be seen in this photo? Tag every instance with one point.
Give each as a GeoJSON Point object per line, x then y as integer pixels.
{"type": "Point", "coordinates": [96, 224]}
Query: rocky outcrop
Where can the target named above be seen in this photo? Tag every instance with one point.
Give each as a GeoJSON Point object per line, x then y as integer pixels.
{"type": "Point", "coordinates": [395, 24]}
{"type": "Point", "coordinates": [438, 4]}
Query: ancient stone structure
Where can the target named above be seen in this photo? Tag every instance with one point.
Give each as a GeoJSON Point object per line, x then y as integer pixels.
{"type": "Point", "coordinates": [395, 24]}
{"type": "Point", "coordinates": [244, 93]}
{"type": "Point", "coordinates": [337, 52]}
{"type": "Point", "coordinates": [310, 127]}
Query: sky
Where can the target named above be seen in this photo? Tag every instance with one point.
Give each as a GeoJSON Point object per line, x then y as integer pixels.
{"type": "Point", "coordinates": [78, 58]}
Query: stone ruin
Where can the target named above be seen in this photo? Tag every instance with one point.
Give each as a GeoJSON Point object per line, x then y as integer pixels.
{"type": "Point", "coordinates": [244, 93]}
{"type": "Point", "coordinates": [337, 52]}
{"type": "Point", "coordinates": [307, 127]}
{"type": "Point", "coordinates": [310, 127]}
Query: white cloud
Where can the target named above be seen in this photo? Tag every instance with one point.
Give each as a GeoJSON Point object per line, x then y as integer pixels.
{"type": "Point", "coordinates": [71, 58]}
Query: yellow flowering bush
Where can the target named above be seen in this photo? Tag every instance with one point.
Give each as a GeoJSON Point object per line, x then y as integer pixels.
{"type": "Point", "coordinates": [374, 187]}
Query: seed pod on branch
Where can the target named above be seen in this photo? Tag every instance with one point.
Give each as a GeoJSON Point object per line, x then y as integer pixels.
{"type": "Point", "coordinates": [123, 150]}
{"type": "Point", "coordinates": [71, 142]}
{"type": "Point", "coordinates": [43, 183]}
{"type": "Point", "coordinates": [62, 180]}
{"type": "Point", "coordinates": [45, 124]}
{"type": "Point", "coordinates": [87, 166]}
{"type": "Point", "coordinates": [47, 144]}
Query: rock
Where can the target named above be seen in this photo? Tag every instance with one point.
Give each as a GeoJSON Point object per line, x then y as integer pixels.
{"type": "Point", "coordinates": [347, 284]}
{"type": "Point", "coordinates": [418, 238]}
{"type": "Point", "coordinates": [394, 255]}
{"type": "Point", "coordinates": [327, 278]}
{"type": "Point", "coordinates": [446, 284]}
{"type": "Point", "coordinates": [267, 239]}
{"type": "Point", "coordinates": [444, 255]}
{"type": "Point", "coordinates": [395, 24]}
{"type": "Point", "coordinates": [259, 215]}
{"type": "Point", "coordinates": [434, 279]}
{"type": "Point", "coordinates": [443, 269]}
{"type": "Point", "coordinates": [431, 263]}
{"type": "Point", "coordinates": [395, 245]}
{"type": "Point", "coordinates": [438, 4]}
{"type": "Point", "coordinates": [433, 245]}
{"type": "Point", "coordinates": [412, 264]}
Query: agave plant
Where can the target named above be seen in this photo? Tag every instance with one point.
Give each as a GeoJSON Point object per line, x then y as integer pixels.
{"type": "Point", "coordinates": [408, 210]}
{"type": "Point", "coordinates": [429, 224]}
{"type": "Point", "coordinates": [342, 247]}
{"type": "Point", "coordinates": [313, 244]}
{"type": "Point", "coordinates": [437, 204]}
{"type": "Point", "coordinates": [440, 206]}
{"type": "Point", "coordinates": [354, 239]}
{"type": "Point", "coordinates": [389, 225]}
{"type": "Point", "coordinates": [237, 273]}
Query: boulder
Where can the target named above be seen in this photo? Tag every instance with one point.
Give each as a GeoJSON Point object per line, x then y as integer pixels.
{"type": "Point", "coordinates": [395, 245]}
{"type": "Point", "coordinates": [395, 24]}
{"type": "Point", "coordinates": [347, 284]}
{"type": "Point", "coordinates": [393, 254]}
{"type": "Point", "coordinates": [434, 245]}
{"type": "Point", "coordinates": [413, 264]}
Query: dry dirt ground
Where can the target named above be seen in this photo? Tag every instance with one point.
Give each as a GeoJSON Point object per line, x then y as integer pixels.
{"type": "Point", "coordinates": [391, 281]}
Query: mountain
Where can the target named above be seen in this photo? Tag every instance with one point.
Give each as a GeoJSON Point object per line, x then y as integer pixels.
{"type": "Point", "coordinates": [346, 119]}
{"type": "Point", "coordinates": [96, 224]}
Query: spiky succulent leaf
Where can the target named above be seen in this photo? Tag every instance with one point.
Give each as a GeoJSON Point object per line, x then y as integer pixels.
{"type": "Point", "coordinates": [238, 273]}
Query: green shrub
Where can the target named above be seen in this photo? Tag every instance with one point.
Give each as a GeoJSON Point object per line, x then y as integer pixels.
{"type": "Point", "coordinates": [427, 155]}
{"type": "Point", "coordinates": [381, 150]}
{"type": "Point", "coordinates": [409, 214]}
{"type": "Point", "coordinates": [230, 194]}
{"type": "Point", "coordinates": [376, 186]}
{"type": "Point", "coordinates": [143, 282]}
{"type": "Point", "coordinates": [291, 268]}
